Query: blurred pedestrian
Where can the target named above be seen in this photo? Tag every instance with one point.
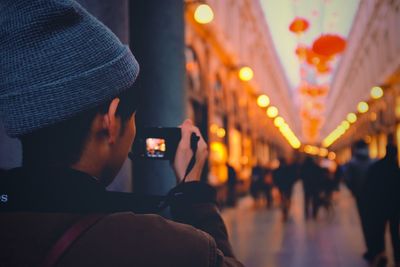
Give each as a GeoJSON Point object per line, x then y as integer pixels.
{"type": "Point", "coordinates": [257, 182]}
{"type": "Point", "coordinates": [284, 177]}
{"type": "Point", "coordinates": [267, 187]}
{"type": "Point", "coordinates": [355, 174]}
{"type": "Point", "coordinates": [232, 181]}
{"type": "Point", "coordinates": [325, 191]}
{"type": "Point", "coordinates": [383, 202]}
{"type": "Point", "coordinates": [310, 174]}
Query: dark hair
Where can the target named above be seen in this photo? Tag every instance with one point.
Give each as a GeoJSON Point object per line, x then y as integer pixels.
{"type": "Point", "coordinates": [62, 143]}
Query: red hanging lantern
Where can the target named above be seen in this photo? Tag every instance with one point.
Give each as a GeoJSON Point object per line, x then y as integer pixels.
{"type": "Point", "coordinates": [299, 25]}
{"type": "Point", "coordinates": [329, 45]}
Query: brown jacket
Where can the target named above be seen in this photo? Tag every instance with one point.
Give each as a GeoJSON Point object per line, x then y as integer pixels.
{"type": "Point", "coordinates": [29, 227]}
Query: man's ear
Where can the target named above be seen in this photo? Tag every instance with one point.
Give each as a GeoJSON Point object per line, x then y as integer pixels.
{"type": "Point", "coordinates": [111, 123]}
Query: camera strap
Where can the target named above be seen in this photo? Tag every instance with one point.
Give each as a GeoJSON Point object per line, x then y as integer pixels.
{"type": "Point", "coordinates": [69, 237]}
{"type": "Point", "coordinates": [194, 139]}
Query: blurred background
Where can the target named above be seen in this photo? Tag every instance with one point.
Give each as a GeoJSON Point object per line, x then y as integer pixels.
{"type": "Point", "coordinates": [282, 90]}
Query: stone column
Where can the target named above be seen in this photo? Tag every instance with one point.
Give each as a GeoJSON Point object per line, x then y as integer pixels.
{"type": "Point", "coordinates": [157, 41]}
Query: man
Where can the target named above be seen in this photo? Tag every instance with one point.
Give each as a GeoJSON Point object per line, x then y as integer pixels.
{"type": "Point", "coordinates": [66, 93]}
{"type": "Point", "coordinates": [310, 173]}
{"type": "Point", "coordinates": [257, 183]}
{"type": "Point", "coordinates": [382, 188]}
{"type": "Point", "coordinates": [284, 178]}
{"type": "Point", "coordinates": [355, 174]}
{"type": "Point", "coordinates": [231, 183]}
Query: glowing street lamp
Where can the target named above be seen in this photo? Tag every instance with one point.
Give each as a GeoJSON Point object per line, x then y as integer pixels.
{"type": "Point", "coordinates": [351, 117]}
{"type": "Point", "coordinates": [272, 112]}
{"type": "Point", "coordinates": [332, 155]}
{"type": "Point", "coordinates": [279, 121]}
{"type": "Point", "coordinates": [362, 107]}
{"type": "Point", "coordinates": [214, 128]}
{"type": "Point", "coordinates": [221, 132]}
{"type": "Point", "coordinates": [203, 14]}
{"type": "Point", "coordinates": [246, 74]}
{"type": "Point", "coordinates": [345, 125]}
{"type": "Point", "coordinates": [263, 101]}
{"type": "Point", "coordinates": [376, 92]}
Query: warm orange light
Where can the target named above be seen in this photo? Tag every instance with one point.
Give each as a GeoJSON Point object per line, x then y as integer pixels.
{"type": "Point", "coordinates": [332, 155]}
{"type": "Point", "coordinates": [312, 150]}
{"type": "Point", "coordinates": [218, 152]}
{"type": "Point", "coordinates": [397, 110]}
{"type": "Point", "coordinates": [221, 132]}
{"type": "Point", "coordinates": [246, 74]}
{"type": "Point", "coordinates": [214, 128]}
{"type": "Point", "coordinates": [362, 107]}
{"type": "Point", "coordinates": [296, 144]}
{"type": "Point", "coordinates": [272, 112]}
{"type": "Point", "coordinates": [376, 92]}
{"type": "Point", "coordinates": [279, 121]}
{"type": "Point", "coordinates": [323, 152]}
{"type": "Point", "coordinates": [263, 101]}
{"type": "Point", "coordinates": [203, 14]}
{"type": "Point", "coordinates": [345, 125]}
{"type": "Point", "coordinates": [373, 116]}
{"type": "Point", "coordinates": [308, 149]}
{"type": "Point", "coordinates": [351, 117]}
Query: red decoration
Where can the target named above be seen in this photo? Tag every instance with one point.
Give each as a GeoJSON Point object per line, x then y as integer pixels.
{"type": "Point", "coordinates": [315, 58]}
{"type": "Point", "coordinates": [314, 91]}
{"type": "Point", "coordinates": [301, 52]}
{"type": "Point", "coordinates": [299, 25]}
{"type": "Point", "coordinates": [323, 68]}
{"type": "Point", "coordinates": [329, 45]}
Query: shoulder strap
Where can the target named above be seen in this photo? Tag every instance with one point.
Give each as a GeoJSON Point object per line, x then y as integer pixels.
{"type": "Point", "coordinates": [69, 237]}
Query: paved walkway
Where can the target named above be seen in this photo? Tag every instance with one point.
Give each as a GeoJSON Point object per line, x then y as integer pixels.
{"type": "Point", "coordinates": [261, 239]}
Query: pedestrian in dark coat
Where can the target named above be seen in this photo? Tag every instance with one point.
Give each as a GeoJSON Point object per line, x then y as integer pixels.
{"type": "Point", "coordinates": [355, 175]}
{"type": "Point", "coordinates": [284, 178]}
{"type": "Point", "coordinates": [67, 93]}
{"type": "Point", "coordinates": [383, 205]}
{"type": "Point", "coordinates": [232, 181]}
{"type": "Point", "coordinates": [310, 174]}
{"type": "Point", "coordinates": [257, 182]}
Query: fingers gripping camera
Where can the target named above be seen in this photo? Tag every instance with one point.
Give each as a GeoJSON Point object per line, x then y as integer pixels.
{"type": "Point", "coordinates": [183, 147]}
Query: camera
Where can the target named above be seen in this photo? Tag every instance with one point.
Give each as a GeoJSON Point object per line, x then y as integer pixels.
{"type": "Point", "coordinates": [156, 143]}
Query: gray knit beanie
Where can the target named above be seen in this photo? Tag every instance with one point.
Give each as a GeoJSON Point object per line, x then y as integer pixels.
{"type": "Point", "coordinates": [56, 60]}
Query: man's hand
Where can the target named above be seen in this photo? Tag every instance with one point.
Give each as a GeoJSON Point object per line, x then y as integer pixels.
{"type": "Point", "coordinates": [184, 153]}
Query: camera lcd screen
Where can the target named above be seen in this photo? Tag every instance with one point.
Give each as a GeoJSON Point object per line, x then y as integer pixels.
{"type": "Point", "coordinates": [155, 147]}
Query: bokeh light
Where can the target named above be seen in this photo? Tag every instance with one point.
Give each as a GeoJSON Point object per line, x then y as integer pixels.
{"type": "Point", "coordinates": [362, 107]}
{"type": "Point", "coordinates": [203, 14]}
{"type": "Point", "coordinates": [263, 101]}
{"type": "Point", "coordinates": [246, 74]}
{"type": "Point", "coordinates": [272, 112]}
{"type": "Point", "coordinates": [376, 92]}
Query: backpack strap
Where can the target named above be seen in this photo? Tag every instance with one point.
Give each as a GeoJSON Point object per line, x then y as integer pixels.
{"type": "Point", "coordinates": [69, 237]}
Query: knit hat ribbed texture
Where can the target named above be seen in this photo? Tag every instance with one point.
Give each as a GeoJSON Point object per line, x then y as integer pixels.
{"type": "Point", "coordinates": [56, 60]}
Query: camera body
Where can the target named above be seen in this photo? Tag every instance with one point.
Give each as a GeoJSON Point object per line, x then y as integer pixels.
{"type": "Point", "coordinates": [157, 143]}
